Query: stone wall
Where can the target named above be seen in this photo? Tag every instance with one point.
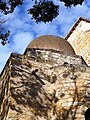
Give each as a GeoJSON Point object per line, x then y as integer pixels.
{"type": "Point", "coordinates": [45, 88]}
{"type": "Point", "coordinates": [44, 85]}
{"type": "Point", "coordinates": [56, 57]}
{"type": "Point", "coordinates": [80, 40]}
{"type": "Point", "coordinates": [4, 91]}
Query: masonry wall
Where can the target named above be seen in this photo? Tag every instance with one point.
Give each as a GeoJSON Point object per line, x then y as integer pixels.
{"type": "Point", "coordinates": [80, 40]}
{"type": "Point", "coordinates": [56, 57]}
{"type": "Point", "coordinates": [45, 89]}
{"type": "Point", "coordinates": [5, 91]}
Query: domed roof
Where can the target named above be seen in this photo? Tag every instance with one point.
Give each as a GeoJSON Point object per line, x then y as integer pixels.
{"type": "Point", "coordinates": [52, 42]}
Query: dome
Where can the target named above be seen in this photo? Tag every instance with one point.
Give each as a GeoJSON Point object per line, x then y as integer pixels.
{"type": "Point", "coordinates": [52, 42]}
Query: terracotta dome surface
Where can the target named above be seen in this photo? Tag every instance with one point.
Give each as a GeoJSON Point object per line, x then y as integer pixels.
{"type": "Point", "coordinates": [52, 42]}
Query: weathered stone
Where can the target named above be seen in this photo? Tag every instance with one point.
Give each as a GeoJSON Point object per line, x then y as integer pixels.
{"type": "Point", "coordinates": [47, 84]}
{"type": "Point", "coordinates": [80, 40]}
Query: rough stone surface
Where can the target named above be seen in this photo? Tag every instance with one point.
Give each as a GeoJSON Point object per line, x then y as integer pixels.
{"type": "Point", "coordinates": [5, 91]}
{"type": "Point", "coordinates": [42, 88]}
{"type": "Point", "coordinates": [45, 84]}
{"type": "Point", "coordinates": [80, 40]}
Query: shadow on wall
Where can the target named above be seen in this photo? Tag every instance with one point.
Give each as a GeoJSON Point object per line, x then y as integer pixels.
{"type": "Point", "coordinates": [4, 92]}
{"type": "Point", "coordinates": [4, 97]}
{"type": "Point", "coordinates": [28, 91]}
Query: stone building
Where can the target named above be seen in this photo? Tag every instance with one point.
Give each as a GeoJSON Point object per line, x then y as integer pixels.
{"type": "Point", "coordinates": [51, 80]}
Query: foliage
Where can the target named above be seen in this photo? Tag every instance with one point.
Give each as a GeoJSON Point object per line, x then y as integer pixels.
{"type": "Point", "coordinates": [44, 11]}
{"type": "Point", "coordinates": [68, 3]}
{"type": "Point", "coordinates": [9, 6]}
{"type": "Point", "coordinates": [4, 37]}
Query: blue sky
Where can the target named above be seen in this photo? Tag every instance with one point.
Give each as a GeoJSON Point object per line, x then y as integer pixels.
{"type": "Point", "coordinates": [24, 29]}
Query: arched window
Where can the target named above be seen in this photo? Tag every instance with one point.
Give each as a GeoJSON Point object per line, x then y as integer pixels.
{"type": "Point", "coordinates": [87, 114]}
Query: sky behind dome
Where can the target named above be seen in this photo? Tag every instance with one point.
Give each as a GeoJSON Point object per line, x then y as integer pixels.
{"type": "Point", "coordinates": [24, 29]}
